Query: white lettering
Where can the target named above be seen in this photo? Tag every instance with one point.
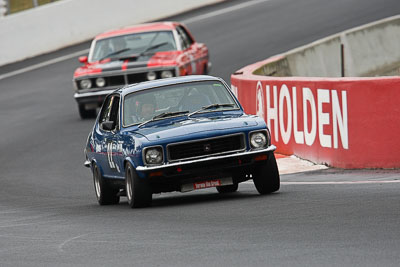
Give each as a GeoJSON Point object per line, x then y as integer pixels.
{"type": "Point", "coordinates": [298, 135]}
{"type": "Point", "coordinates": [323, 118]}
{"type": "Point", "coordinates": [309, 135]}
{"type": "Point", "coordinates": [268, 107]}
{"type": "Point", "coordinates": [272, 112]}
{"type": "Point", "coordinates": [284, 95]}
{"type": "Point", "coordinates": [260, 101]}
{"type": "Point", "coordinates": [340, 119]}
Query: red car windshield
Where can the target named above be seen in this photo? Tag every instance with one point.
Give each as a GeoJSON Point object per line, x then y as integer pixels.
{"type": "Point", "coordinates": [132, 44]}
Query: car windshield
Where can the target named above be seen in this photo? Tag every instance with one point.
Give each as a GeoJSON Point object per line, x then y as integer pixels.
{"type": "Point", "coordinates": [176, 100]}
{"type": "Point", "coordinates": [132, 44]}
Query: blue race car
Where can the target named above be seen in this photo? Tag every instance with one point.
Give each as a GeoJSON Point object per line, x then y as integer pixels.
{"type": "Point", "coordinates": [177, 134]}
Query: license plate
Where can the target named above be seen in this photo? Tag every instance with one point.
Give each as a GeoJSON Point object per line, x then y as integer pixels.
{"type": "Point", "coordinates": [206, 184]}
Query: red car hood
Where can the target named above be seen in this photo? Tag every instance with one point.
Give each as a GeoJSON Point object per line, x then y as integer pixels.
{"type": "Point", "coordinates": [159, 59]}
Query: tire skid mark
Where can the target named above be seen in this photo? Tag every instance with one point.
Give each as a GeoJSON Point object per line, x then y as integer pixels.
{"type": "Point", "coordinates": [62, 245]}
{"type": "Point", "coordinates": [25, 224]}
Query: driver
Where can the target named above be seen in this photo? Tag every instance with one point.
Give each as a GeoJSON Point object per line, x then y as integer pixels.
{"type": "Point", "coordinates": [146, 106]}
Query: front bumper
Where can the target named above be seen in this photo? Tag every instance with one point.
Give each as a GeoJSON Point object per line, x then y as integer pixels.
{"type": "Point", "coordinates": [94, 94]}
{"type": "Point", "coordinates": [96, 98]}
{"type": "Point", "coordinates": [145, 169]}
{"type": "Point", "coordinates": [183, 176]}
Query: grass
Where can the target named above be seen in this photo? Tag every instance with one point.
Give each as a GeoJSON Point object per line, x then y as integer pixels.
{"type": "Point", "coordinates": [20, 5]}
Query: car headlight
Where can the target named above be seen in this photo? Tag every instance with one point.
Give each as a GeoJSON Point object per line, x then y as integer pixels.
{"type": "Point", "coordinates": [258, 140]}
{"type": "Point", "coordinates": [100, 82]}
{"type": "Point", "coordinates": [151, 76]}
{"type": "Point", "coordinates": [85, 84]}
{"type": "Point", "coordinates": [153, 155]}
{"type": "Point", "coordinates": [166, 74]}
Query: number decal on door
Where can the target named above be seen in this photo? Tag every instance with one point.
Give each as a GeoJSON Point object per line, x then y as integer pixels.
{"type": "Point", "coordinates": [110, 156]}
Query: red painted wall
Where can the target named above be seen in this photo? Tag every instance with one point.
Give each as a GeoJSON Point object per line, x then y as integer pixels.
{"type": "Point", "coordinates": [348, 122]}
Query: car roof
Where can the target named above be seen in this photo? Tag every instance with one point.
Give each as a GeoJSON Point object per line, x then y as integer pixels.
{"type": "Point", "coordinates": [146, 27]}
{"type": "Point", "coordinates": [164, 82]}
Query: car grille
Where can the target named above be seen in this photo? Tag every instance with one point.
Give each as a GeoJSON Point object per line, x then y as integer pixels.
{"type": "Point", "coordinates": [205, 147]}
{"type": "Point", "coordinates": [124, 79]}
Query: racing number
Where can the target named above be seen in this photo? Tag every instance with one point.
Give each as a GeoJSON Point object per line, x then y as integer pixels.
{"type": "Point", "coordinates": [111, 162]}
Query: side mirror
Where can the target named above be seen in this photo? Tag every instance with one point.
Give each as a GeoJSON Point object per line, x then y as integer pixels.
{"type": "Point", "coordinates": [83, 59]}
{"type": "Point", "coordinates": [108, 125]}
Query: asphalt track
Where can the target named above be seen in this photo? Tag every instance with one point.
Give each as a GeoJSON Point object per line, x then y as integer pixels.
{"type": "Point", "coordinates": [49, 215]}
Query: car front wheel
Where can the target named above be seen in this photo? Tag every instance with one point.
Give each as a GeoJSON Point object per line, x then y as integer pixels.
{"type": "Point", "coordinates": [105, 194]}
{"type": "Point", "coordinates": [138, 191]}
{"type": "Point", "coordinates": [266, 177]}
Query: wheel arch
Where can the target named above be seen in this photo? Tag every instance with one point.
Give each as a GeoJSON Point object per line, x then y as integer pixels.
{"type": "Point", "coordinates": [94, 162]}
{"type": "Point", "coordinates": [134, 165]}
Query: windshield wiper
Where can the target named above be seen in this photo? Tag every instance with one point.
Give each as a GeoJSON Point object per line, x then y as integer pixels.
{"type": "Point", "coordinates": [152, 47]}
{"type": "Point", "coordinates": [145, 52]}
{"type": "Point", "coordinates": [115, 53]}
{"type": "Point", "coordinates": [135, 55]}
{"type": "Point", "coordinates": [212, 106]}
{"type": "Point", "coordinates": [163, 115]}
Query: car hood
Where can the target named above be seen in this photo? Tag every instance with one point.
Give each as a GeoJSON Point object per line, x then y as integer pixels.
{"type": "Point", "coordinates": [176, 128]}
{"type": "Point", "coordinates": [159, 59]}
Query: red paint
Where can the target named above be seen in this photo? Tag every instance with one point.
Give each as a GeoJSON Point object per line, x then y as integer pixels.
{"type": "Point", "coordinates": [373, 116]}
{"type": "Point", "coordinates": [86, 70]}
{"type": "Point", "coordinates": [125, 65]}
{"type": "Point", "coordinates": [167, 58]}
{"type": "Point", "coordinates": [260, 157]}
{"type": "Point", "coordinates": [193, 58]}
{"type": "Point", "coordinates": [157, 26]}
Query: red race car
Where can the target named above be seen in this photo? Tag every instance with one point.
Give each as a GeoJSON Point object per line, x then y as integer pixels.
{"type": "Point", "coordinates": [135, 54]}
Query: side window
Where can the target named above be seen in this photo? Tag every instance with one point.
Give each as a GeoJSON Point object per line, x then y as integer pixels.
{"type": "Point", "coordinates": [110, 110]}
{"type": "Point", "coordinates": [188, 37]}
{"type": "Point", "coordinates": [184, 38]}
{"type": "Point", "coordinates": [106, 110]}
{"type": "Point", "coordinates": [114, 111]}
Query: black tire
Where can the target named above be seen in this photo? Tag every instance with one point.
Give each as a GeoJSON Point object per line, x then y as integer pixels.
{"type": "Point", "coordinates": [228, 188]}
{"type": "Point", "coordinates": [138, 191]}
{"type": "Point", "coordinates": [266, 177]}
{"type": "Point", "coordinates": [106, 195]}
{"type": "Point", "coordinates": [86, 113]}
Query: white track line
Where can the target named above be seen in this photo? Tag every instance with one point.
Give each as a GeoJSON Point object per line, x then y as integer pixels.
{"type": "Point", "coordinates": [44, 64]}
{"type": "Point", "coordinates": [82, 52]}
{"type": "Point", "coordinates": [224, 11]}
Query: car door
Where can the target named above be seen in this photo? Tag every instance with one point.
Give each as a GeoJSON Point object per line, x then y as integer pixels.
{"type": "Point", "coordinates": [111, 146]}
{"type": "Point", "coordinates": [200, 53]}
{"type": "Point", "coordinates": [189, 48]}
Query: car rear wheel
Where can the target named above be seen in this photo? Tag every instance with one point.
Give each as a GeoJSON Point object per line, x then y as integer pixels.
{"type": "Point", "coordinates": [105, 194]}
{"type": "Point", "coordinates": [266, 177]}
{"type": "Point", "coordinates": [228, 188]}
{"type": "Point", "coordinates": [86, 113]}
{"type": "Point", "coordinates": [138, 191]}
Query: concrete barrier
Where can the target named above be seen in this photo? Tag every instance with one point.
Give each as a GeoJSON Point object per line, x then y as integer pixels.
{"type": "Point", "coordinates": [340, 122]}
{"type": "Point", "coordinates": [370, 50]}
{"type": "Point", "coordinates": [64, 23]}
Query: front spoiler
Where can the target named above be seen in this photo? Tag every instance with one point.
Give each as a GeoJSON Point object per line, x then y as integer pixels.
{"type": "Point", "coordinates": [202, 160]}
